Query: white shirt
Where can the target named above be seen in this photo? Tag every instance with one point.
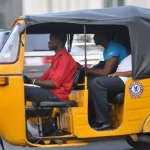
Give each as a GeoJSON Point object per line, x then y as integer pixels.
{"type": "Point", "coordinates": [124, 66]}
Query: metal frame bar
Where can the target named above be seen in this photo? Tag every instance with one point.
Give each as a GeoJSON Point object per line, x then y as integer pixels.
{"type": "Point", "coordinates": [85, 50]}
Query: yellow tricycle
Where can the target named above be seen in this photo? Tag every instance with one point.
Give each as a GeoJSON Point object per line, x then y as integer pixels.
{"type": "Point", "coordinates": [130, 111]}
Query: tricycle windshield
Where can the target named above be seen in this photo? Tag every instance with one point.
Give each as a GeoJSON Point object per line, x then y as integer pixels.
{"type": "Point", "coordinates": [9, 52]}
{"type": "Point", "coordinates": [3, 37]}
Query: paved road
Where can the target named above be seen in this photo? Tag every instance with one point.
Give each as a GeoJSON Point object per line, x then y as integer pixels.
{"type": "Point", "coordinates": [103, 145]}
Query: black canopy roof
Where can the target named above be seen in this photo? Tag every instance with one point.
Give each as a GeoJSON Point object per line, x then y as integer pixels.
{"type": "Point", "coordinates": [136, 19]}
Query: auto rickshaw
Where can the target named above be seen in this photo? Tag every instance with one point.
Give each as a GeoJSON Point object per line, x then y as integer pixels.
{"type": "Point", "coordinates": [130, 111]}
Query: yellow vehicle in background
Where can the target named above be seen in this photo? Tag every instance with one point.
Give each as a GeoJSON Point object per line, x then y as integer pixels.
{"type": "Point", "coordinates": [130, 111]}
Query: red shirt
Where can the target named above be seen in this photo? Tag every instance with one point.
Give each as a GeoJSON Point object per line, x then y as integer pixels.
{"type": "Point", "coordinates": [61, 73]}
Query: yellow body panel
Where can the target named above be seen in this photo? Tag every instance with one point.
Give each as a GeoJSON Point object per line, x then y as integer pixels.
{"type": "Point", "coordinates": [133, 114]}
{"type": "Point", "coordinates": [146, 127]}
{"type": "Point", "coordinates": [12, 108]}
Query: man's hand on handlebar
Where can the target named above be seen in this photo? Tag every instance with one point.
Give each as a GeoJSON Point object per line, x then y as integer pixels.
{"type": "Point", "coordinates": [27, 80]}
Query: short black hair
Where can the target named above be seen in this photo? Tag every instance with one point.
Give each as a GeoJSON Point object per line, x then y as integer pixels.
{"type": "Point", "coordinates": [60, 36]}
{"type": "Point", "coordinates": [108, 34]}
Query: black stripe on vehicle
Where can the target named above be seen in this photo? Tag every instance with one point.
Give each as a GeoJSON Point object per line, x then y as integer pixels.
{"type": "Point", "coordinates": [10, 74]}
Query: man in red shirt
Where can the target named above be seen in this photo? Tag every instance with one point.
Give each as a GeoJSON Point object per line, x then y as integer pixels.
{"type": "Point", "coordinates": [56, 82]}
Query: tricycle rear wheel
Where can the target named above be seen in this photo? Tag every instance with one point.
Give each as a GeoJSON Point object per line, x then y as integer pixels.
{"type": "Point", "coordinates": [137, 144]}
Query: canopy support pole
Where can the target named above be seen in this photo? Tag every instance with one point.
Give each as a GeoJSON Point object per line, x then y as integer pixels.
{"type": "Point", "coordinates": [85, 57]}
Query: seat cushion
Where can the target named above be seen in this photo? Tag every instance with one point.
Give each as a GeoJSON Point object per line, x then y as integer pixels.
{"type": "Point", "coordinates": [119, 98]}
{"type": "Point", "coordinates": [34, 112]}
{"type": "Point", "coordinates": [65, 104]}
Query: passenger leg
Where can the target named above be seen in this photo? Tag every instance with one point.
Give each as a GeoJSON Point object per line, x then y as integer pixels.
{"type": "Point", "coordinates": [99, 88]}
{"type": "Point", "coordinates": [91, 112]}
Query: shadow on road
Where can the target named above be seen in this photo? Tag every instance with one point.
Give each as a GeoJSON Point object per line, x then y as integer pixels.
{"type": "Point", "coordinates": [100, 145]}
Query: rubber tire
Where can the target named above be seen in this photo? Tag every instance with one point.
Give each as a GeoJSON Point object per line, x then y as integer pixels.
{"type": "Point", "coordinates": [137, 144]}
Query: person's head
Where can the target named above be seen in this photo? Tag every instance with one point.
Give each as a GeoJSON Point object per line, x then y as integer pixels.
{"type": "Point", "coordinates": [102, 38]}
{"type": "Point", "coordinates": [57, 40]}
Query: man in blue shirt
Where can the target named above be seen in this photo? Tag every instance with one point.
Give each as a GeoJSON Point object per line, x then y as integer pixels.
{"type": "Point", "coordinates": [115, 49]}
{"type": "Point", "coordinates": [113, 54]}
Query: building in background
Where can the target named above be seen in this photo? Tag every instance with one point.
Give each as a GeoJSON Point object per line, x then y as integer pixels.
{"type": "Point", "coordinates": [45, 6]}
{"type": "Point", "coordinates": [140, 3]}
{"type": "Point", "coordinates": [113, 3]}
{"type": "Point", "coordinates": [10, 9]}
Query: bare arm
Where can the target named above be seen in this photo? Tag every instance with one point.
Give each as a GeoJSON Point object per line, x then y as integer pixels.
{"type": "Point", "coordinates": [109, 66]}
{"type": "Point", "coordinates": [123, 74]}
{"type": "Point", "coordinates": [45, 83]}
{"type": "Point", "coordinates": [42, 83]}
